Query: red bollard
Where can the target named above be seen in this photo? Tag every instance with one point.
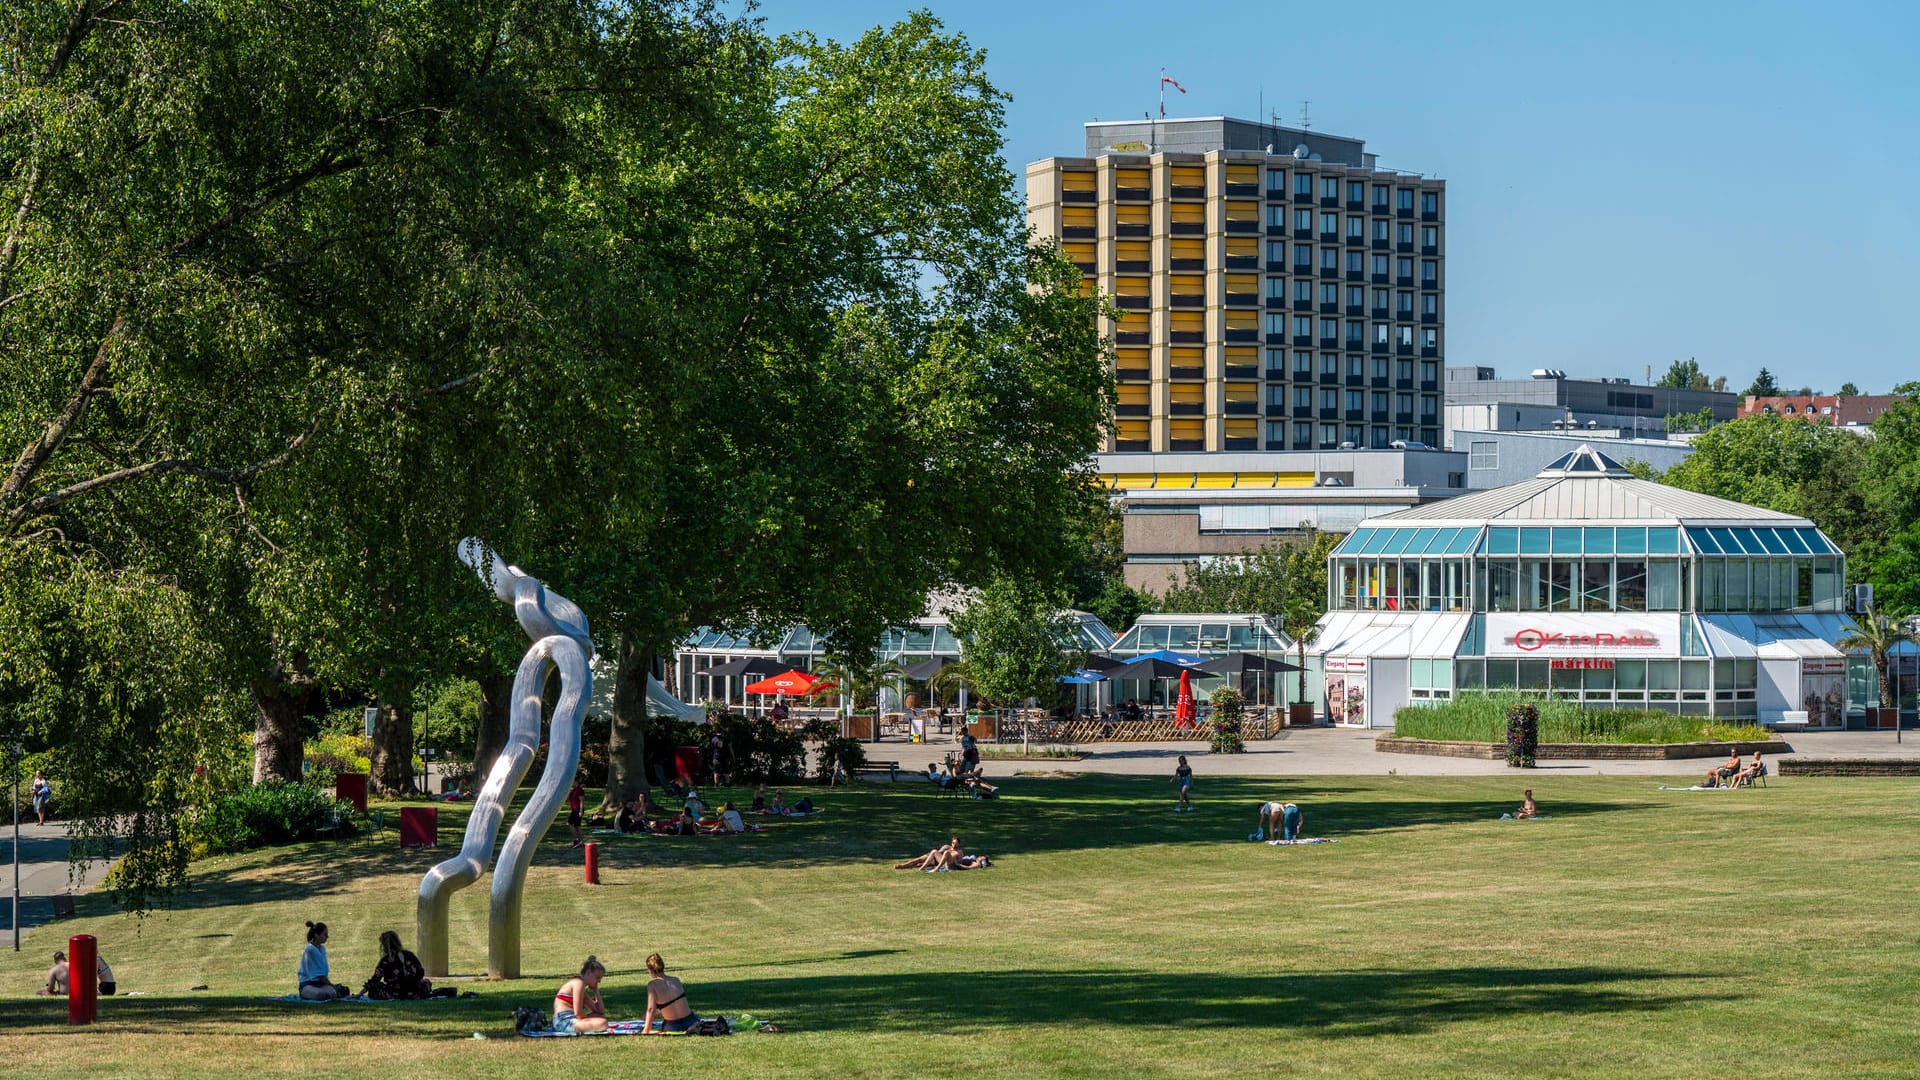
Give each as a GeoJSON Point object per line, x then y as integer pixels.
{"type": "Point", "coordinates": [83, 992]}
{"type": "Point", "coordinates": [593, 862]}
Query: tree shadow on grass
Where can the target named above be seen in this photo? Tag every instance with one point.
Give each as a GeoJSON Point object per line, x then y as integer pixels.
{"type": "Point", "coordinates": [1334, 1004]}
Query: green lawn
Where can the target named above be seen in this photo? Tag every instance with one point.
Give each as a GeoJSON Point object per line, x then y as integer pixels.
{"type": "Point", "coordinates": [1636, 933]}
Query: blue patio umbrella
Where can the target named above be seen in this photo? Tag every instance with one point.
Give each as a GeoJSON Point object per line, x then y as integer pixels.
{"type": "Point", "coordinates": [1081, 677]}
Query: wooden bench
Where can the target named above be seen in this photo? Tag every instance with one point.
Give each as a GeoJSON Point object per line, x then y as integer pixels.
{"type": "Point", "coordinates": [891, 768]}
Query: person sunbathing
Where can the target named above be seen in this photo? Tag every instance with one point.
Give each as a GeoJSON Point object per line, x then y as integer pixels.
{"type": "Point", "coordinates": [934, 859]}
{"type": "Point", "coordinates": [1528, 808]}
{"type": "Point", "coordinates": [1720, 774]}
{"type": "Point", "coordinates": [684, 825]}
{"type": "Point", "coordinates": [666, 1000]}
{"type": "Point", "coordinates": [577, 1008]}
{"type": "Point", "coordinates": [1745, 776]}
{"type": "Point", "coordinates": [976, 784]}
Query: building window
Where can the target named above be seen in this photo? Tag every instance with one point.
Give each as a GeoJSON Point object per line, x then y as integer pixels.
{"type": "Point", "coordinates": [1430, 372]}
{"type": "Point", "coordinates": [1276, 252]}
{"type": "Point", "coordinates": [1403, 404]}
{"type": "Point", "coordinates": [1329, 435]}
{"type": "Point", "coordinates": [1302, 432]}
{"type": "Point", "coordinates": [1429, 304]}
{"type": "Point", "coordinates": [1277, 215]}
{"type": "Point", "coordinates": [1302, 326]}
{"type": "Point", "coordinates": [1276, 181]}
{"type": "Point", "coordinates": [1303, 289]}
{"type": "Point", "coordinates": [1405, 303]}
{"type": "Point", "coordinates": [1406, 232]}
{"type": "Point", "coordinates": [1303, 256]}
{"type": "Point", "coordinates": [1276, 324]}
{"type": "Point", "coordinates": [1329, 399]}
{"type": "Point", "coordinates": [1406, 198]}
{"type": "Point", "coordinates": [1329, 258]}
{"type": "Point", "coordinates": [1277, 288]}
{"type": "Point", "coordinates": [1355, 401]}
{"type": "Point", "coordinates": [1380, 230]}
{"type": "Point", "coordinates": [1380, 196]}
{"type": "Point", "coordinates": [1276, 396]}
{"type": "Point", "coordinates": [1379, 401]}
{"type": "Point", "coordinates": [1276, 360]}
{"type": "Point", "coordinates": [1355, 262]}
{"type": "Point", "coordinates": [1430, 235]}
{"type": "Point", "coordinates": [1429, 202]}
{"type": "Point", "coordinates": [1302, 183]}
{"type": "Point", "coordinates": [1303, 219]}
{"type": "Point", "coordinates": [1429, 271]}
{"type": "Point", "coordinates": [1302, 365]}
{"type": "Point", "coordinates": [1356, 191]}
{"type": "Point", "coordinates": [1303, 397]}
{"type": "Point", "coordinates": [1379, 367]}
{"type": "Point", "coordinates": [1406, 335]}
{"type": "Point", "coordinates": [1403, 267]}
{"type": "Point", "coordinates": [1429, 338]}
{"type": "Point", "coordinates": [1329, 328]}
{"type": "Point", "coordinates": [1380, 295]}
{"type": "Point", "coordinates": [1354, 364]}
{"type": "Point", "coordinates": [1380, 333]}
{"type": "Point", "coordinates": [1356, 296]}
{"type": "Point", "coordinates": [1356, 228]}
{"type": "Point", "coordinates": [1330, 223]}
{"type": "Point", "coordinates": [1329, 293]}
{"type": "Point", "coordinates": [1329, 364]}
{"type": "Point", "coordinates": [1329, 187]}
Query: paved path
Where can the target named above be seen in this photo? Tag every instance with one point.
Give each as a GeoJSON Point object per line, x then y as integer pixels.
{"type": "Point", "coordinates": [44, 871]}
{"type": "Point", "coordinates": [1350, 752]}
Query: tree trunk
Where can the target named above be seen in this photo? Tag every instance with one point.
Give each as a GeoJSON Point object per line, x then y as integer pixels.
{"type": "Point", "coordinates": [279, 737]}
{"type": "Point", "coordinates": [496, 720]}
{"type": "Point", "coordinates": [393, 749]}
{"type": "Point", "coordinates": [627, 746]}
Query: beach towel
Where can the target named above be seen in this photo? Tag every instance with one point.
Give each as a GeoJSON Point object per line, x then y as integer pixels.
{"type": "Point", "coordinates": [361, 999]}
{"type": "Point", "coordinates": [632, 1027]}
{"type": "Point", "coordinates": [1698, 787]}
{"type": "Point", "coordinates": [1304, 840]}
{"type": "Point", "coordinates": [1536, 817]}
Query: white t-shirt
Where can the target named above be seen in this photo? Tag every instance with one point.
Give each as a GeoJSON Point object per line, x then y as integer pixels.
{"type": "Point", "coordinates": [731, 819]}
{"type": "Point", "coordinates": [313, 964]}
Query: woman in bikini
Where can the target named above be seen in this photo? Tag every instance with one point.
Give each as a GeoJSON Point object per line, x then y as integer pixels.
{"type": "Point", "coordinates": [944, 855]}
{"type": "Point", "coordinates": [577, 1007]}
{"type": "Point", "coordinates": [667, 999]}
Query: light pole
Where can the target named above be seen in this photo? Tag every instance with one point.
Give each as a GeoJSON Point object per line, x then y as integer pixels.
{"type": "Point", "coordinates": [16, 846]}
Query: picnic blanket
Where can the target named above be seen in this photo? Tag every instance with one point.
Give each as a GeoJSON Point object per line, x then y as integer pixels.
{"type": "Point", "coordinates": [1297, 843]}
{"type": "Point", "coordinates": [632, 1027]}
{"type": "Point", "coordinates": [1536, 817]}
{"type": "Point", "coordinates": [1699, 787]}
{"type": "Point", "coordinates": [361, 999]}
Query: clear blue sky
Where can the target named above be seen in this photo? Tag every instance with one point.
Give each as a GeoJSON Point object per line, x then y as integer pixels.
{"type": "Point", "coordinates": [1629, 183]}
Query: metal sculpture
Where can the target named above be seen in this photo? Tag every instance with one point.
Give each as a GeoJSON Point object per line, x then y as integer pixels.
{"type": "Point", "coordinates": [558, 630]}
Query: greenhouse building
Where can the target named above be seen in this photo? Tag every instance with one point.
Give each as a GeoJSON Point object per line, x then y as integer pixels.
{"type": "Point", "coordinates": [1590, 584]}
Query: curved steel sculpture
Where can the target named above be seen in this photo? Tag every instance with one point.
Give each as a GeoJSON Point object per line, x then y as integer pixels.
{"type": "Point", "coordinates": [558, 630]}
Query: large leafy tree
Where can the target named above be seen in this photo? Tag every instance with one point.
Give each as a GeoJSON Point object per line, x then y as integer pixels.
{"type": "Point", "coordinates": [1785, 464]}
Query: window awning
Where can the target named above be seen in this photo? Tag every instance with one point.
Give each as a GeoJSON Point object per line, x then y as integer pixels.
{"type": "Point", "coordinates": [1390, 633]}
{"type": "Point", "coordinates": [1773, 637]}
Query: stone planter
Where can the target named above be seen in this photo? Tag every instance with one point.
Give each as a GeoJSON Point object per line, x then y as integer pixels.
{"type": "Point", "coordinates": [1883, 719]}
{"type": "Point", "coordinates": [1300, 714]}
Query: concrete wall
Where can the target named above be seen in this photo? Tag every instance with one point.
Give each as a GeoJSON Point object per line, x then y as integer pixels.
{"type": "Point", "coordinates": [1520, 455]}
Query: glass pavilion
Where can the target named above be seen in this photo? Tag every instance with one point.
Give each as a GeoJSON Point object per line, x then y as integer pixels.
{"type": "Point", "coordinates": [1589, 584]}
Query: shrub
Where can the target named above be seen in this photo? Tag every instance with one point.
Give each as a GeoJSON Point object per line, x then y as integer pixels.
{"type": "Point", "coordinates": [275, 812]}
{"type": "Point", "coordinates": [851, 752]}
{"type": "Point", "coordinates": [1523, 735]}
{"type": "Point", "coordinates": [338, 751]}
{"type": "Point", "coordinates": [1228, 707]}
{"type": "Point", "coordinates": [1481, 717]}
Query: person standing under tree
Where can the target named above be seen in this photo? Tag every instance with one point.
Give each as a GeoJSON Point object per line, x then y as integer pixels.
{"type": "Point", "coordinates": [1183, 776]}
{"type": "Point", "coordinates": [576, 808]}
{"type": "Point", "coordinates": [42, 795]}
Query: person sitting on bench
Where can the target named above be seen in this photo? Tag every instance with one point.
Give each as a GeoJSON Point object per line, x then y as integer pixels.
{"type": "Point", "coordinates": [1746, 776]}
{"type": "Point", "coordinates": [1724, 772]}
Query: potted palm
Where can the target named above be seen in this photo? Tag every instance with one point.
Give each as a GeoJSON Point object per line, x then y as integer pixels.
{"type": "Point", "coordinates": [1301, 621]}
{"type": "Point", "coordinates": [860, 685]}
{"type": "Point", "coordinates": [1877, 635]}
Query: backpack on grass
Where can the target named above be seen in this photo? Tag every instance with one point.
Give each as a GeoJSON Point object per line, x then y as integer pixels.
{"type": "Point", "coordinates": [525, 1019]}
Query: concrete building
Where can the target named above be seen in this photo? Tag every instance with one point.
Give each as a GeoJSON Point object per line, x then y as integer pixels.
{"type": "Point", "coordinates": [1277, 289]}
{"type": "Point", "coordinates": [1182, 509]}
{"type": "Point", "coordinates": [1599, 403]}
{"type": "Point", "coordinates": [1853, 410]}
{"type": "Point", "coordinates": [1590, 585]}
{"type": "Point", "coordinates": [1498, 458]}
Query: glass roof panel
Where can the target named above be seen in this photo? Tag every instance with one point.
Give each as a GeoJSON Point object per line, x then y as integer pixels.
{"type": "Point", "coordinates": [1599, 541]}
{"type": "Point", "coordinates": [1728, 542]}
{"type": "Point", "coordinates": [1376, 540]}
{"type": "Point", "coordinates": [1817, 542]}
{"type": "Point", "coordinates": [1397, 542]}
{"type": "Point", "coordinates": [1770, 539]}
{"type": "Point", "coordinates": [1702, 543]}
{"type": "Point", "coordinates": [1464, 541]}
{"type": "Point", "coordinates": [1630, 541]}
{"type": "Point", "coordinates": [1663, 541]}
{"type": "Point", "coordinates": [1535, 541]}
{"type": "Point", "coordinates": [1794, 541]}
{"type": "Point", "coordinates": [1503, 540]}
{"type": "Point", "coordinates": [1749, 541]}
{"type": "Point", "coordinates": [1566, 541]}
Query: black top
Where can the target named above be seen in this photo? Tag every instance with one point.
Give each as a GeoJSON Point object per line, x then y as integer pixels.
{"type": "Point", "coordinates": [397, 978]}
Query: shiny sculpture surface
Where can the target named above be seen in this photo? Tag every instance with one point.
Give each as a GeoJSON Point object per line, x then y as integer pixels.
{"type": "Point", "coordinates": [558, 630]}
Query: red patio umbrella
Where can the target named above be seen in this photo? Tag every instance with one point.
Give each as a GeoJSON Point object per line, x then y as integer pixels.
{"type": "Point", "coordinates": [1183, 711]}
{"type": "Point", "coordinates": [790, 682]}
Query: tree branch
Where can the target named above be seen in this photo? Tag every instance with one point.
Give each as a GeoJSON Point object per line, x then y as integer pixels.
{"type": "Point", "coordinates": [325, 167]}
{"type": "Point", "coordinates": [44, 447]}
{"type": "Point", "coordinates": [237, 477]}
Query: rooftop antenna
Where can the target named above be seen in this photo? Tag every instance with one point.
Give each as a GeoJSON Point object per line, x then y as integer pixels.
{"type": "Point", "coordinates": [1305, 121]}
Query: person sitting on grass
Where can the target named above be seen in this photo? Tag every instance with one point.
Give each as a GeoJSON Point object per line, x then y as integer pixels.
{"type": "Point", "coordinates": [778, 805]}
{"type": "Point", "coordinates": [398, 976]}
{"type": "Point", "coordinates": [577, 1008]}
{"type": "Point", "coordinates": [729, 821]}
{"type": "Point", "coordinates": [977, 784]}
{"type": "Point", "coordinates": [632, 816]}
{"type": "Point", "coordinates": [1723, 772]}
{"type": "Point", "coordinates": [1528, 808]}
{"type": "Point", "coordinates": [759, 805]}
{"type": "Point", "coordinates": [56, 976]}
{"type": "Point", "coordinates": [315, 985]}
{"type": "Point", "coordinates": [666, 999]}
{"type": "Point", "coordinates": [801, 807]}
{"type": "Point", "coordinates": [1745, 776]}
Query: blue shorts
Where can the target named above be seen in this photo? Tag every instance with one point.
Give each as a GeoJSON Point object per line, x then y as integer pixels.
{"type": "Point", "coordinates": [562, 1022]}
{"type": "Point", "coordinates": [681, 1024]}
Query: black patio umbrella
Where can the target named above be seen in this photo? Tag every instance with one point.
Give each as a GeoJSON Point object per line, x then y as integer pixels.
{"type": "Point", "coordinates": [760, 667]}
{"type": "Point", "coordinates": [1149, 668]}
{"type": "Point", "coordinates": [928, 668]}
{"type": "Point", "coordinates": [1096, 662]}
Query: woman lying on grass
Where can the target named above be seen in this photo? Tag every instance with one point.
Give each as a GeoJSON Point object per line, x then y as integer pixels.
{"type": "Point", "coordinates": [948, 856]}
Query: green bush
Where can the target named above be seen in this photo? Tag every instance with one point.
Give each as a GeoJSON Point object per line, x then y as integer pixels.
{"type": "Point", "coordinates": [1228, 707]}
{"type": "Point", "coordinates": [275, 812]}
{"type": "Point", "coordinates": [336, 751]}
{"type": "Point", "coordinates": [1482, 717]}
{"type": "Point", "coordinates": [851, 752]}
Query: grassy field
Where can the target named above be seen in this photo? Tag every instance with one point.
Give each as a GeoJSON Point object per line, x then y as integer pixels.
{"type": "Point", "coordinates": [1636, 933]}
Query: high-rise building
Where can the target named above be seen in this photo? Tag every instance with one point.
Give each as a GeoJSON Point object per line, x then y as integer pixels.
{"type": "Point", "coordinates": [1278, 290]}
